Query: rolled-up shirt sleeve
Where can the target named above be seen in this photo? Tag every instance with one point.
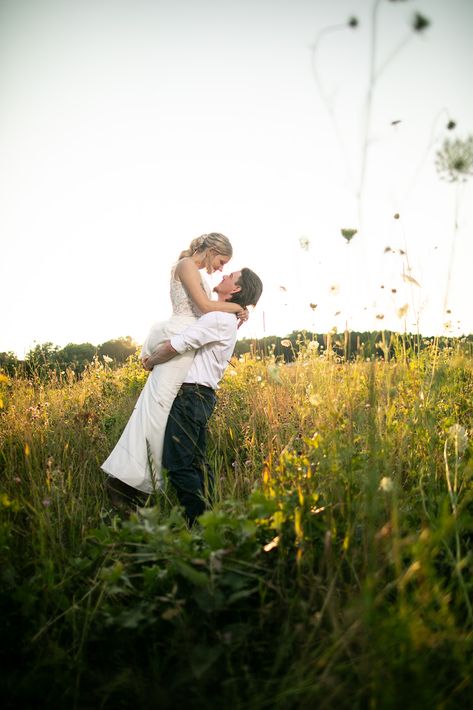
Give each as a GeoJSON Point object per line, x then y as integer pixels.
{"type": "Point", "coordinates": [210, 328]}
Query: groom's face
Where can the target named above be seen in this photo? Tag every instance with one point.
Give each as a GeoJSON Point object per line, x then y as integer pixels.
{"type": "Point", "coordinates": [228, 285]}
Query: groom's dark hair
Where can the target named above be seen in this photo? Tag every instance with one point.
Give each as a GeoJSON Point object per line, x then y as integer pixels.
{"type": "Point", "coordinates": [251, 289]}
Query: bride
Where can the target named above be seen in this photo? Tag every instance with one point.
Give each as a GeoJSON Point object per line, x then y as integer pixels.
{"type": "Point", "coordinates": [136, 458]}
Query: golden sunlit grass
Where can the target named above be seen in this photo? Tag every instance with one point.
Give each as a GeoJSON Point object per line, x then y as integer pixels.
{"type": "Point", "coordinates": [335, 564]}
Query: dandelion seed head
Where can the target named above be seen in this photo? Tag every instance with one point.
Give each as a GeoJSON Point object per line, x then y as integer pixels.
{"type": "Point", "coordinates": [386, 484]}
{"type": "Point", "coordinates": [454, 161]}
{"type": "Point", "coordinates": [274, 374]}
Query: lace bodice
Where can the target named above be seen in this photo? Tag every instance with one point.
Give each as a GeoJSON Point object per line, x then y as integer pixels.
{"type": "Point", "coordinates": [182, 305]}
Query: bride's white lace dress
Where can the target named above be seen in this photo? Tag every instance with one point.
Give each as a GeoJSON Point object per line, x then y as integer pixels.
{"type": "Point", "coordinates": [136, 458]}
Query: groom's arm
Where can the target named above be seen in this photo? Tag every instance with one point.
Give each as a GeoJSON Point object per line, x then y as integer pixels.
{"type": "Point", "coordinates": [209, 328]}
{"type": "Point", "coordinates": [163, 353]}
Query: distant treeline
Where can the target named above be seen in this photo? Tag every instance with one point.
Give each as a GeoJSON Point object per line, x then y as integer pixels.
{"type": "Point", "coordinates": [347, 345]}
{"type": "Point", "coordinates": [49, 357]}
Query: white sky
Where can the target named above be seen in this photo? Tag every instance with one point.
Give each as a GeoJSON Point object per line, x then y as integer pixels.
{"type": "Point", "coordinates": [127, 128]}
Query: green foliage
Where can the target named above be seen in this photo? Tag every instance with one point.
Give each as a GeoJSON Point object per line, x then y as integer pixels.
{"type": "Point", "coordinates": [119, 349]}
{"type": "Point", "coordinates": [47, 360]}
{"type": "Point", "coordinates": [334, 569]}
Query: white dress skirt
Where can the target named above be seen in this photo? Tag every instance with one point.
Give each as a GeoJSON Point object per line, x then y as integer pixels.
{"type": "Point", "coordinates": [136, 458]}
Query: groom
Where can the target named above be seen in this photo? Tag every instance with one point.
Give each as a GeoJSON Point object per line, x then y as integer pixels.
{"type": "Point", "coordinates": [213, 336]}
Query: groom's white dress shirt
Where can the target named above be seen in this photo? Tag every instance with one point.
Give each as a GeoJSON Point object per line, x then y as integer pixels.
{"type": "Point", "coordinates": [213, 336]}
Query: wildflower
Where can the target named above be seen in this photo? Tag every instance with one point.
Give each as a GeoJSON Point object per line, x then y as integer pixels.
{"type": "Point", "coordinates": [419, 22]}
{"type": "Point", "coordinates": [107, 359]}
{"type": "Point", "coordinates": [458, 435]}
{"type": "Point", "coordinates": [386, 484]}
{"type": "Point", "coordinates": [454, 161]}
{"type": "Point", "coordinates": [348, 234]}
{"type": "Point", "coordinates": [410, 279]}
{"type": "Point", "coordinates": [313, 345]}
{"type": "Point", "coordinates": [402, 312]}
{"type": "Point", "coordinates": [315, 400]}
{"type": "Point", "coordinates": [304, 243]}
{"type": "Point", "coordinates": [271, 545]}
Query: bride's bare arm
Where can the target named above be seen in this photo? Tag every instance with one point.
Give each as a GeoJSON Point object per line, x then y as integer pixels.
{"type": "Point", "coordinates": [189, 275]}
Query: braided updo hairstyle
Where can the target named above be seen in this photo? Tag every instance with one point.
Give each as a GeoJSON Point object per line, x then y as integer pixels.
{"type": "Point", "coordinates": [214, 241]}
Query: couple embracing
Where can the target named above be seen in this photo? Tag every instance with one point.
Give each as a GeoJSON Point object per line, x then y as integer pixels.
{"type": "Point", "coordinates": [187, 357]}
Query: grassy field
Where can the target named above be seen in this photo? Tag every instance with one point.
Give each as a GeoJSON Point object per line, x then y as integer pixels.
{"type": "Point", "coordinates": [335, 570]}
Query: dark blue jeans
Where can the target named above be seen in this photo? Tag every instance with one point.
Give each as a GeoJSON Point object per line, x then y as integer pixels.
{"type": "Point", "coordinates": [184, 450]}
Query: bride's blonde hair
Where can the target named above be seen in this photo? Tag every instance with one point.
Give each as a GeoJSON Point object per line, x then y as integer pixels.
{"type": "Point", "coordinates": [214, 241]}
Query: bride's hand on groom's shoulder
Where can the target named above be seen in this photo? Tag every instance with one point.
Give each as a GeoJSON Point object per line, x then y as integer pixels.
{"type": "Point", "coordinates": [242, 316]}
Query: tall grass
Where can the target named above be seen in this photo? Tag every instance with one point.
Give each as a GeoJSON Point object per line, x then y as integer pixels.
{"type": "Point", "coordinates": [333, 571]}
